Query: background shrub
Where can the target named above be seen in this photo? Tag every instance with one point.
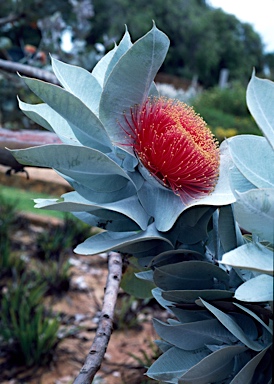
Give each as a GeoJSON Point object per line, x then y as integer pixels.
{"type": "Point", "coordinates": [226, 109]}
{"type": "Point", "coordinates": [27, 333]}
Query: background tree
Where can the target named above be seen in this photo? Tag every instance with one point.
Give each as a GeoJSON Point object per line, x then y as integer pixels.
{"type": "Point", "coordinates": [239, 48]}
{"type": "Point", "coordinates": [203, 39]}
{"type": "Point", "coordinates": [29, 31]}
{"type": "Point", "coordinates": [43, 26]}
{"type": "Point", "coordinates": [269, 63]}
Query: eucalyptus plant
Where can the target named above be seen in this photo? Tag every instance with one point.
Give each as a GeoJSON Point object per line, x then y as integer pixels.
{"type": "Point", "coordinates": [197, 217]}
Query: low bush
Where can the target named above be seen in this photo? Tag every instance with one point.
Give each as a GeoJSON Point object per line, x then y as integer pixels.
{"type": "Point", "coordinates": [226, 109]}
{"type": "Point", "coordinates": [56, 274]}
{"type": "Point", "coordinates": [28, 334]}
{"type": "Point", "coordinates": [9, 263]}
{"type": "Point", "coordinates": [53, 249]}
{"type": "Point", "coordinates": [56, 241]}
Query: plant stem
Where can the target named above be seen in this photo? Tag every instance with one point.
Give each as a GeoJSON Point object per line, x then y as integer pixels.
{"type": "Point", "coordinates": [104, 330]}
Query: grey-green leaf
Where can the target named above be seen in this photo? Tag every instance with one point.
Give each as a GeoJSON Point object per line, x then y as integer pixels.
{"type": "Point", "coordinates": [122, 48]}
{"type": "Point", "coordinates": [254, 211]}
{"type": "Point", "coordinates": [233, 327]}
{"type": "Point", "coordinates": [125, 242]}
{"type": "Point", "coordinates": [259, 96]}
{"type": "Point", "coordinates": [245, 375]}
{"type": "Point", "coordinates": [256, 317]}
{"type": "Point", "coordinates": [170, 366]}
{"type": "Point", "coordinates": [107, 220]}
{"type": "Point", "coordinates": [85, 165]}
{"type": "Point", "coordinates": [258, 289]}
{"type": "Point", "coordinates": [45, 116]}
{"type": "Point", "coordinates": [252, 256]}
{"type": "Point", "coordinates": [190, 315]}
{"type": "Point", "coordinates": [229, 232]}
{"type": "Point", "coordinates": [189, 275]}
{"type": "Point", "coordinates": [132, 284]}
{"type": "Point", "coordinates": [130, 80]}
{"type": "Point", "coordinates": [190, 296]}
{"type": "Point", "coordinates": [254, 158]}
{"type": "Point", "coordinates": [85, 124]}
{"type": "Point", "coordinates": [35, 112]}
{"type": "Point", "coordinates": [191, 336]}
{"type": "Point", "coordinates": [238, 182]}
{"type": "Point", "coordinates": [215, 367]}
{"type": "Point", "coordinates": [192, 225]}
{"type": "Point", "coordinates": [175, 256]}
{"type": "Point", "coordinates": [73, 202]}
{"type": "Point", "coordinates": [79, 82]}
{"type": "Point", "coordinates": [99, 71]}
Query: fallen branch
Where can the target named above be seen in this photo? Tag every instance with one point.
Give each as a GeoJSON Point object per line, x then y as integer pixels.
{"type": "Point", "coordinates": [99, 346]}
{"type": "Point", "coordinates": [19, 140]}
{"type": "Point", "coordinates": [28, 70]}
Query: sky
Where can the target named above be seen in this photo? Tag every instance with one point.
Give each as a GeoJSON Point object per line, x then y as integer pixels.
{"type": "Point", "coordinates": [259, 13]}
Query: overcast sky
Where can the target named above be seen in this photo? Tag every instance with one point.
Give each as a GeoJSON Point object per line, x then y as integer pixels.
{"type": "Point", "coordinates": [259, 13]}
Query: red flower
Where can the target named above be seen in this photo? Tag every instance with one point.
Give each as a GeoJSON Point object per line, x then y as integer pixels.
{"type": "Point", "coordinates": [174, 144]}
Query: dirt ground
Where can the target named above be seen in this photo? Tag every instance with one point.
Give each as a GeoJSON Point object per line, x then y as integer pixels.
{"type": "Point", "coordinates": [79, 309]}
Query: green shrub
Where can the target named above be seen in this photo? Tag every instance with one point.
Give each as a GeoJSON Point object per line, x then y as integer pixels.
{"type": "Point", "coordinates": [7, 219]}
{"type": "Point", "coordinates": [53, 242]}
{"type": "Point", "coordinates": [56, 274]}
{"type": "Point", "coordinates": [30, 336]}
{"type": "Point", "coordinates": [9, 263]}
{"type": "Point", "coordinates": [226, 108]}
{"type": "Point", "coordinates": [58, 240]}
{"type": "Point", "coordinates": [126, 312]}
{"type": "Point", "coordinates": [53, 249]}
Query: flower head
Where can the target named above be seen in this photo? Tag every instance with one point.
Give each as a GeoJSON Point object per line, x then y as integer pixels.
{"type": "Point", "coordinates": [174, 144]}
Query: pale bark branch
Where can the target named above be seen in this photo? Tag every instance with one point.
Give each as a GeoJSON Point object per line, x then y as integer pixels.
{"type": "Point", "coordinates": [99, 346]}
{"type": "Point", "coordinates": [19, 140]}
{"type": "Point", "coordinates": [28, 70]}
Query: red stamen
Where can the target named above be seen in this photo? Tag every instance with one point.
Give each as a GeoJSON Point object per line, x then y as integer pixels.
{"type": "Point", "coordinates": [175, 146]}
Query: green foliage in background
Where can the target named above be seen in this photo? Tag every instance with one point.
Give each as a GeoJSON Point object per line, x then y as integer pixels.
{"type": "Point", "coordinates": [53, 251]}
{"type": "Point", "coordinates": [30, 30]}
{"type": "Point", "coordinates": [29, 334]}
{"type": "Point", "coordinates": [225, 111]}
{"type": "Point", "coordinates": [24, 200]}
{"type": "Point", "coordinates": [7, 218]}
{"type": "Point", "coordinates": [203, 40]}
{"type": "Point", "coordinates": [30, 22]}
{"type": "Point", "coordinates": [28, 330]}
{"type": "Point", "coordinates": [57, 240]}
